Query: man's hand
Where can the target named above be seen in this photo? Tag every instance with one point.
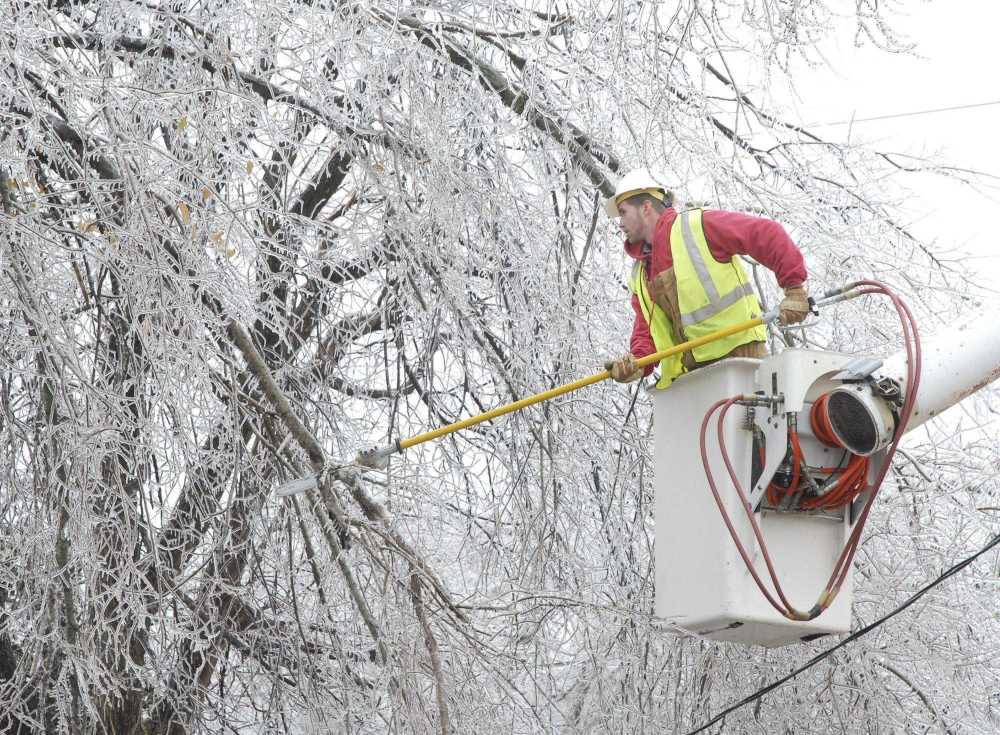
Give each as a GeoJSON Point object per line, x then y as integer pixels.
{"type": "Point", "coordinates": [795, 306]}
{"type": "Point", "coordinates": [624, 370]}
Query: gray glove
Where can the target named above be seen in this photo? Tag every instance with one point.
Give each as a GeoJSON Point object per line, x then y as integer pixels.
{"type": "Point", "coordinates": [624, 370]}
{"type": "Point", "coordinates": [795, 306]}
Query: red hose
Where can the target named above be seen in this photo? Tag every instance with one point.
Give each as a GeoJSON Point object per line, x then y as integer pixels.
{"type": "Point", "coordinates": [787, 610]}
{"type": "Point", "coordinates": [913, 366]}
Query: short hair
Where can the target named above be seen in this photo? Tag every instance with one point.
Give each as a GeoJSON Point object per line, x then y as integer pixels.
{"type": "Point", "coordinates": [659, 206]}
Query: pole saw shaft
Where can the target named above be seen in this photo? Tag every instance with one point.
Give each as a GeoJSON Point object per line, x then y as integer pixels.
{"type": "Point", "coordinates": [377, 458]}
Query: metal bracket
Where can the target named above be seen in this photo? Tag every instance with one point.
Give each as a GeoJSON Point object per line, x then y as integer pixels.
{"type": "Point", "coordinates": [774, 428]}
{"type": "Point", "coordinates": [859, 369]}
{"type": "Point", "coordinates": [377, 458]}
{"type": "Point", "coordinates": [889, 390]}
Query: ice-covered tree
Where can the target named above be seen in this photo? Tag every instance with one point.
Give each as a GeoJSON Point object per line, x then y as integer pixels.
{"type": "Point", "coordinates": [243, 240]}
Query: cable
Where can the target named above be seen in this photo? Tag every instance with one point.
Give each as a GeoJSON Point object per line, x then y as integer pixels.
{"type": "Point", "coordinates": [850, 639]}
{"type": "Point", "coordinates": [906, 114]}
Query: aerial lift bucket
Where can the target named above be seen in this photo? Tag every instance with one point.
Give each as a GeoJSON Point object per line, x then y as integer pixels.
{"type": "Point", "coordinates": [712, 546]}
{"type": "Point", "coordinates": [702, 584]}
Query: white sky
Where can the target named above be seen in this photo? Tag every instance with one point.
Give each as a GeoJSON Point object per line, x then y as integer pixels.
{"type": "Point", "coordinates": [955, 65]}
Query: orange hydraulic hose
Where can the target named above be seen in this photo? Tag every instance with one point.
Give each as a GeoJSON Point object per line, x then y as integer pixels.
{"type": "Point", "coordinates": [852, 480]}
{"type": "Point", "coordinates": [819, 420]}
{"type": "Point", "coordinates": [797, 460]}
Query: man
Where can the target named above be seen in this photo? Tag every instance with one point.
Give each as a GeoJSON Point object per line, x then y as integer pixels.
{"type": "Point", "coordinates": [687, 281]}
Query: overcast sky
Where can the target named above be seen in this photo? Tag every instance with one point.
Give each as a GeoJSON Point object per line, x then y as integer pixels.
{"type": "Point", "coordinates": [955, 66]}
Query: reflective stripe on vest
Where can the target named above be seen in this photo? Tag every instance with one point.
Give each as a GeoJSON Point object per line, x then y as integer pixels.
{"type": "Point", "coordinates": [700, 281]}
{"type": "Point", "coordinates": [710, 295]}
{"type": "Point", "coordinates": [716, 303]}
{"type": "Point", "coordinates": [659, 327]}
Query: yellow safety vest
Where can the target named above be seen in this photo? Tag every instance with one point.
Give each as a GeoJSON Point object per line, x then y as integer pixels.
{"type": "Point", "coordinates": [711, 296]}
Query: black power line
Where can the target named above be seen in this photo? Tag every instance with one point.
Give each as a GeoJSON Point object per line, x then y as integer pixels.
{"type": "Point", "coordinates": [850, 639]}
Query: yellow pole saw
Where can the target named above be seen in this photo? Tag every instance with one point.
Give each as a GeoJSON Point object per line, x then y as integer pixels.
{"type": "Point", "coordinates": [378, 458]}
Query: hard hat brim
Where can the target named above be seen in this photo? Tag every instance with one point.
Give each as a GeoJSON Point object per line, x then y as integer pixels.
{"type": "Point", "coordinates": [611, 205]}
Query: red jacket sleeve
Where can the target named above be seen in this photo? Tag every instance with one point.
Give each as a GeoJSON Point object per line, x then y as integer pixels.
{"type": "Point", "coordinates": [764, 240]}
{"type": "Point", "coordinates": [641, 343]}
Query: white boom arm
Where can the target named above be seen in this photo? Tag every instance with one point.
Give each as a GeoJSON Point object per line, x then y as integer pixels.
{"type": "Point", "coordinates": [956, 362]}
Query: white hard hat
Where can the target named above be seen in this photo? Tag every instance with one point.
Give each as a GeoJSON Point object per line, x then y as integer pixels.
{"type": "Point", "coordinates": [635, 182]}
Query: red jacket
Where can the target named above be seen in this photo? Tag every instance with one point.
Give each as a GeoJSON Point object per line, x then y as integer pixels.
{"type": "Point", "coordinates": [728, 234]}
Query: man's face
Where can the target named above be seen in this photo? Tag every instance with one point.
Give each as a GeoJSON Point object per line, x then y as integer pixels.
{"type": "Point", "coordinates": [631, 222]}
